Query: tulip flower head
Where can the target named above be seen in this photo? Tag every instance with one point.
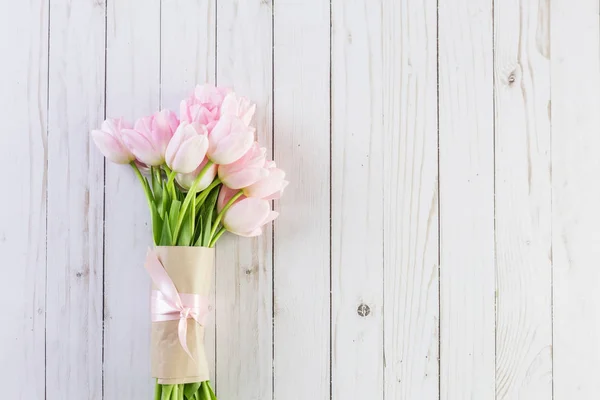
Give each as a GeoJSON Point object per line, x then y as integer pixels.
{"type": "Point", "coordinates": [238, 107]}
{"type": "Point", "coordinates": [247, 217]}
{"type": "Point", "coordinates": [203, 105]}
{"type": "Point", "coordinates": [186, 180]}
{"type": "Point", "coordinates": [229, 140]}
{"type": "Point", "coordinates": [109, 139]}
{"type": "Point", "coordinates": [245, 171]}
{"type": "Point", "coordinates": [150, 136]}
{"type": "Point", "coordinates": [269, 187]}
{"type": "Point", "coordinates": [187, 147]}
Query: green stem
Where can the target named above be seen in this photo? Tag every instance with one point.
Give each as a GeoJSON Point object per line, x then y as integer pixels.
{"type": "Point", "coordinates": [157, 391]}
{"type": "Point", "coordinates": [217, 236]}
{"type": "Point", "coordinates": [206, 390]}
{"type": "Point", "coordinates": [170, 179]}
{"type": "Point", "coordinates": [144, 183]}
{"type": "Point", "coordinates": [188, 198]}
{"type": "Point", "coordinates": [200, 199]}
{"type": "Point", "coordinates": [223, 211]}
{"type": "Point", "coordinates": [166, 392]}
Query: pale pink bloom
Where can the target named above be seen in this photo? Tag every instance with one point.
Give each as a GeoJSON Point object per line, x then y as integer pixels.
{"type": "Point", "coordinates": [269, 187]}
{"type": "Point", "coordinates": [186, 180]}
{"type": "Point", "coordinates": [144, 169]}
{"type": "Point", "coordinates": [245, 171]}
{"type": "Point", "coordinates": [203, 105]}
{"type": "Point", "coordinates": [238, 107]}
{"type": "Point", "coordinates": [248, 216]}
{"type": "Point", "coordinates": [225, 195]}
{"type": "Point", "coordinates": [187, 147]}
{"type": "Point", "coordinates": [109, 140]}
{"type": "Point", "coordinates": [150, 136]}
{"type": "Point", "coordinates": [229, 140]}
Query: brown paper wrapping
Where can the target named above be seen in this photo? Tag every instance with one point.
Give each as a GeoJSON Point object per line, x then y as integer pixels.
{"type": "Point", "coordinates": [191, 269]}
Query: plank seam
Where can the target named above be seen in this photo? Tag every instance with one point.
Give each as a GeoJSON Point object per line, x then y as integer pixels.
{"type": "Point", "coordinates": [439, 236]}
{"type": "Point", "coordinates": [330, 209]}
{"type": "Point", "coordinates": [46, 206]}
{"type": "Point", "coordinates": [494, 189]}
{"type": "Point", "coordinates": [273, 202]}
{"type": "Point", "coordinates": [104, 203]}
{"type": "Point", "coordinates": [102, 383]}
{"type": "Point", "coordinates": [216, 308]}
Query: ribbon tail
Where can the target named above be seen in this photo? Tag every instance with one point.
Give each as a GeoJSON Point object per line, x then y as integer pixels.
{"type": "Point", "coordinates": [182, 330]}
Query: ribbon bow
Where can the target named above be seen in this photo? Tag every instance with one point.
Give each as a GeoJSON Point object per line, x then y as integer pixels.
{"type": "Point", "coordinates": [170, 305]}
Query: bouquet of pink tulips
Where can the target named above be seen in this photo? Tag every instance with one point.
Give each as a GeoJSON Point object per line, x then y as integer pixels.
{"type": "Point", "coordinates": [203, 174]}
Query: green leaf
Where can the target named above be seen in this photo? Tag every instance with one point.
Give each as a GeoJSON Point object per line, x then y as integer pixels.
{"type": "Point", "coordinates": [207, 227]}
{"type": "Point", "coordinates": [174, 213]}
{"type": "Point", "coordinates": [166, 238]}
{"type": "Point", "coordinates": [166, 389]}
{"type": "Point", "coordinates": [198, 240]}
{"type": "Point", "coordinates": [190, 389]}
{"type": "Point", "coordinates": [209, 208]}
{"type": "Point", "coordinates": [157, 186]}
{"type": "Point", "coordinates": [164, 204]}
{"type": "Point", "coordinates": [157, 223]}
{"type": "Point", "coordinates": [185, 234]}
{"type": "Point", "coordinates": [212, 394]}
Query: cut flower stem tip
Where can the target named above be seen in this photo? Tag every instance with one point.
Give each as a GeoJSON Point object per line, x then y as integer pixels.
{"type": "Point", "coordinates": [184, 391]}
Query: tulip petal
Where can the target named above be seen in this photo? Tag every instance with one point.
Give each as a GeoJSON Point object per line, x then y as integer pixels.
{"type": "Point", "coordinates": [190, 154]}
{"type": "Point", "coordinates": [141, 147]}
{"type": "Point", "coordinates": [246, 216]}
{"type": "Point", "coordinates": [233, 147]}
{"type": "Point", "coordinates": [112, 148]}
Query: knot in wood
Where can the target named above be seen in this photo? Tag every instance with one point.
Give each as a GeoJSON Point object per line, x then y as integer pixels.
{"type": "Point", "coordinates": [363, 310]}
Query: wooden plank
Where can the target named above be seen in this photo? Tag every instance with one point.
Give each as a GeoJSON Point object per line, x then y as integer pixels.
{"type": "Point", "coordinates": [302, 232]}
{"type": "Point", "coordinates": [576, 195]}
{"type": "Point", "coordinates": [410, 171]}
{"type": "Point", "coordinates": [132, 90]}
{"type": "Point", "coordinates": [466, 159]}
{"type": "Point", "coordinates": [244, 266]}
{"type": "Point", "coordinates": [188, 42]}
{"type": "Point", "coordinates": [523, 201]}
{"type": "Point", "coordinates": [75, 202]}
{"type": "Point", "coordinates": [357, 200]}
{"type": "Point", "coordinates": [23, 150]}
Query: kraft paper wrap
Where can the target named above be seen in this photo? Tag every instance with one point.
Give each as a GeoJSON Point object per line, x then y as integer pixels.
{"type": "Point", "coordinates": [191, 269]}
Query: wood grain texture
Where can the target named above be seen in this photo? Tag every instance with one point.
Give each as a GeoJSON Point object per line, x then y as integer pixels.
{"type": "Point", "coordinates": [523, 201]}
{"type": "Point", "coordinates": [302, 233]}
{"type": "Point", "coordinates": [410, 284]}
{"type": "Point", "coordinates": [576, 196]}
{"type": "Point", "coordinates": [132, 91]}
{"type": "Point", "coordinates": [357, 201]}
{"type": "Point", "coordinates": [466, 163]}
{"type": "Point", "coordinates": [23, 150]}
{"type": "Point", "coordinates": [75, 202]}
{"type": "Point", "coordinates": [244, 287]}
{"type": "Point", "coordinates": [191, 24]}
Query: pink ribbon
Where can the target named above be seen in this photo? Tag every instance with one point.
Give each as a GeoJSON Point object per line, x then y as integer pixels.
{"type": "Point", "coordinates": [170, 305]}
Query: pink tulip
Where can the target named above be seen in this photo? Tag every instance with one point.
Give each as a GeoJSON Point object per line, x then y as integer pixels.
{"type": "Point", "coordinates": [186, 180]}
{"type": "Point", "coordinates": [187, 148]}
{"type": "Point", "coordinates": [238, 107]}
{"type": "Point", "coordinates": [203, 105]}
{"type": "Point", "coordinates": [245, 171]}
{"type": "Point", "coordinates": [229, 140]}
{"type": "Point", "coordinates": [225, 195]}
{"type": "Point", "coordinates": [150, 136]}
{"type": "Point", "coordinates": [248, 216]}
{"type": "Point", "coordinates": [109, 140]}
{"type": "Point", "coordinates": [270, 186]}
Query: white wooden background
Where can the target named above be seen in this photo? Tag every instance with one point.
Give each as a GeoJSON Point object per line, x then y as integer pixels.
{"type": "Point", "coordinates": [439, 240]}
